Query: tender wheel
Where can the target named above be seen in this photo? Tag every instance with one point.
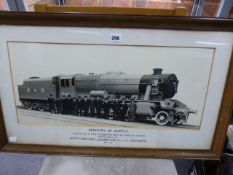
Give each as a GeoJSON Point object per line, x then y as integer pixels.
{"type": "Point", "coordinates": [41, 107]}
{"type": "Point", "coordinates": [28, 105]}
{"type": "Point", "coordinates": [161, 118]}
{"type": "Point", "coordinates": [34, 106]}
{"type": "Point", "coordinates": [24, 105]}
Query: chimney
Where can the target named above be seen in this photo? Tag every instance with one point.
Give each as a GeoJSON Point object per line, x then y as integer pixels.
{"type": "Point", "coordinates": [157, 71]}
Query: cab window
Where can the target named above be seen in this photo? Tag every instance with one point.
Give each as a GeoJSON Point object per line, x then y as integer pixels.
{"type": "Point", "coordinates": [72, 81]}
{"type": "Point", "coordinates": [67, 83]}
{"type": "Point", "coordinates": [62, 83]}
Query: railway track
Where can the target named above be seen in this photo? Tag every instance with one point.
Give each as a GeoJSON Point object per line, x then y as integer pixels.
{"type": "Point", "coordinates": [25, 115]}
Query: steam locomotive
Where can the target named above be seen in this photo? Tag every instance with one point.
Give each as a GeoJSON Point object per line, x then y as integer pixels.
{"type": "Point", "coordinates": [152, 93]}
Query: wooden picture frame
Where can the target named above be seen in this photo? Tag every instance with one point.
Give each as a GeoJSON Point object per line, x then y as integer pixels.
{"type": "Point", "coordinates": [130, 22]}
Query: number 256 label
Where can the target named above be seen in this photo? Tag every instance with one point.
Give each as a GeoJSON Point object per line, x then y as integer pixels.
{"type": "Point", "coordinates": [115, 37]}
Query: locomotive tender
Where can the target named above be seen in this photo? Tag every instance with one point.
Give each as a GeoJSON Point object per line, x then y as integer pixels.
{"type": "Point", "coordinates": [152, 93]}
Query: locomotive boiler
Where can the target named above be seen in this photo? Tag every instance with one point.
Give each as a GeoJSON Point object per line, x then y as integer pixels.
{"type": "Point", "coordinates": [153, 93]}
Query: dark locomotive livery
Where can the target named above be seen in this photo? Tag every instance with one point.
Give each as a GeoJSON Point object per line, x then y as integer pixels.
{"type": "Point", "coordinates": [113, 94]}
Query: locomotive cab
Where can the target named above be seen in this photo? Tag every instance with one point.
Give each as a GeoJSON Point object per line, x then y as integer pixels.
{"type": "Point", "coordinates": [64, 85]}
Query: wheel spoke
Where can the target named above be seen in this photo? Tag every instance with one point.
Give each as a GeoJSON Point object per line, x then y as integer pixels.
{"type": "Point", "coordinates": [161, 118]}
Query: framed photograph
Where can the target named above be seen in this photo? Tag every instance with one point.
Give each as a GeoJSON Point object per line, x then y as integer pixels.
{"type": "Point", "coordinates": [115, 85]}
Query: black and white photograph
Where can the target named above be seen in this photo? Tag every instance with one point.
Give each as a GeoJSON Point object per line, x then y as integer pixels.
{"type": "Point", "coordinates": [123, 86]}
